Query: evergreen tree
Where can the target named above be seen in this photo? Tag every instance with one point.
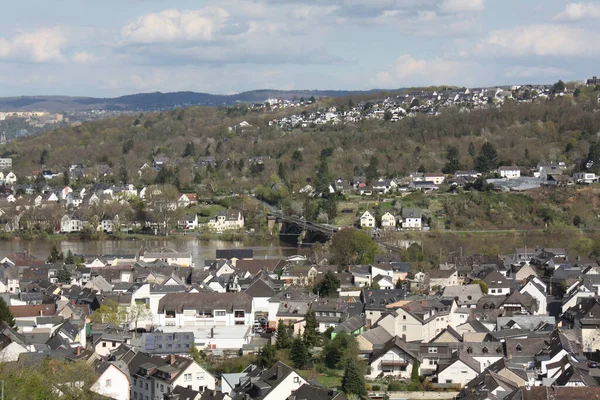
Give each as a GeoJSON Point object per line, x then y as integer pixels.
{"type": "Point", "coordinates": [5, 314]}
{"type": "Point", "coordinates": [299, 354]}
{"type": "Point", "coordinates": [282, 340]}
{"type": "Point", "coordinates": [371, 172]}
{"type": "Point", "coordinates": [453, 164]}
{"type": "Point", "coordinates": [311, 330]}
{"type": "Point", "coordinates": [328, 285]}
{"type": "Point", "coordinates": [70, 259]}
{"type": "Point", "coordinates": [353, 382]}
{"type": "Point", "coordinates": [54, 255]}
{"type": "Point", "coordinates": [66, 177]}
{"type": "Point", "coordinates": [267, 356]}
{"type": "Point", "coordinates": [323, 179]}
{"type": "Point", "coordinates": [471, 149]}
{"type": "Point", "coordinates": [63, 276]}
{"type": "Point", "coordinates": [487, 160]}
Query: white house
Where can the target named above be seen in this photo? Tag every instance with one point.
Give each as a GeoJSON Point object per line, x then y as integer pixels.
{"type": "Point", "coordinates": [113, 382]}
{"type": "Point", "coordinates": [436, 178]}
{"type": "Point", "coordinates": [509, 172]}
{"type": "Point", "coordinates": [537, 289]}
{"type": "Point", "coordinates": [411, 218]}
{"type": "Point", "coordinates": [367, 220]}
{"type": "Point", "coordinates": [585, 177]}
{"type": "Point", "coordinates": [394, 359]}
{"type": "Point", "coordinates": [205, 309]}
{"type": "Point", "coordinates": [388, 220]}
{"type": "Point", "coordinates": [227, 221]}
{"type": "Point", "coordinates": [69, 224]}
{"type": "Point", "coordinates": [460, 371]}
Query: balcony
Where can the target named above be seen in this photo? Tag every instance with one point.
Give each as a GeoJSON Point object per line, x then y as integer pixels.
{"type": "Point", "coordinates": [397, 363]}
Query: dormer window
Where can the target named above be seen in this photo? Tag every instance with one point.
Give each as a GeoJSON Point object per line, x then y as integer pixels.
{"type": "Point", "coordinates": [519, 348]}
{"type": "Point", "coordinates": [470, 350]}
{"type": "Point", "coordinates": [485, 350]}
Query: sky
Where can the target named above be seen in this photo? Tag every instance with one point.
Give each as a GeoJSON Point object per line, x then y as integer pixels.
{"type": "Point", "coordinates": [115, 47]}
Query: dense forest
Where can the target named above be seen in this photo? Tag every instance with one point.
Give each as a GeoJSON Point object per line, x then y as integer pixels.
{"type": "Point", "coordinates": [523, 134]}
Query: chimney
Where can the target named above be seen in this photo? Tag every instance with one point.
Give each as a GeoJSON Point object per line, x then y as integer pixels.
{"type": "Point", "coordinates": [78, 350]}
{"type": "Point", "coordinates": [72, 316]}
{"type": "Point", "coordinates": [171, 359]}
{"type": "Point", "coordinates": [279, 371]}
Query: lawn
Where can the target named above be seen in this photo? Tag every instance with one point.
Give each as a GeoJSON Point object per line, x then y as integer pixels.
{"type": "Point", "coordinates": [330, 379]}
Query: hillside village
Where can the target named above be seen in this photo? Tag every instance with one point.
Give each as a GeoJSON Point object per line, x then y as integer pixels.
{"type": "Point", "coordinates": [488, 327]}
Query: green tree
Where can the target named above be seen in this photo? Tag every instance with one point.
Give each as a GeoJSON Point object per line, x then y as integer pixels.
{"type": "Point", "coordinates": [353, 382]}
{"type": "Point", "coordinates": [44, 156]}
{"type": "Point", "coordinates": [594, 155]}
{"type": "Point", "coordinates": [66, 177]}
{"type": "Point", "coordinates": [453, 160]}
{"type": "Point", "coordinates": [63, 276]}
{"type": "Point", "coordinates": [123, 174]}
{"type": "Point", "coordinates": [128, 146]}
{"type": "Point", "coordinates": [281, 171]}
{"type": "Point", "coordinates": [54, 255]}
{"type": "Point", "coordinates": [138, 312]}
{"type": "Point", "coordinates": [338, 350]}
{"type": "Point", "coordinates": [323, 179]}
{"type": "Point", "coordinates": [387, 115]}
{"type": "Point", "coordinates": [487, 160]}
{"type": "Point", "coordinates": [471, 149]}
{"type": "Point", "coordinates": [299, 354]}
{"type": "Point", "coordinates": [365, 247]}
{"type": "Point", "coordinates": [310, 209]}
{"type": "Point", "coordinates": [311, 334]}
{"type": "Point", "coordinates": [559, 87]}
{"type": "Point", "coordinates": [329, 206]}
{"type": "Point", "coordinates": [70, 259]}
{"type": "Point", "coordinates": [297, 156]}
{"type": "Point", "coordinates": [371, 171]}
{"type": "Point", "coordinates": [110, 312]}
{"type": "Point", "coordinates": [5, 315]}
{"type": "Point", "coordinates": [267, 356]}
{"type": "Point", "coordinates": [283, 339]}
{"type": "Point", "coordinates": [327, 286]}
{"type": "Point", "coordinates": [198, 355]}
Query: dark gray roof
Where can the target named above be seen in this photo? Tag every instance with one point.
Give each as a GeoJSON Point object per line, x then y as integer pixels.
{"type": "Point", "coordinates": [228, 254]}
{"type": "Point", "coordinates": [380, 298]}
{"type": "Point", "coordinates": [205, 301]}
{"type": "Point", "coordinates": [312, 392]}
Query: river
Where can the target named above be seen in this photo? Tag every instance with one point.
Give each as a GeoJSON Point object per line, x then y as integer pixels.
{"type": "Point", "coordinates": [201, 249]}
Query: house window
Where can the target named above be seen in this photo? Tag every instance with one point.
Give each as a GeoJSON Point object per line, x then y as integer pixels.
{"type": "Point", "coordinates": [239, 322]}
{"type": "Point", "coordinates": [114, 344]}
{"type": "Point", "coordinates": [135, 395]}
{"type": "Point", "coordinates": [200, 376]}
{"type": "Point", "coordinates": [108, 383]}
{"type": "Point", "coordinates": [432, 350]}
{"type": "Point", "coordinates": [470, 350]}
{"type": "Point", "coordinates": [484, 350]}
{"type": "Point", "coordinates": [187, 377]}
{"type": "Point", "coordinates": [169, 314]}
{"type": "Point", "coordinates": [220, 313]}
{"type": "Point", "coordinates": [239, 314]}
{"type": "Point", "coordinates": [519, 348]}
{"type": "Point", "coordinates": [404, 317]}
{"type": "Point", "coordinates": [296, 379]}
{"type": "Point", "coordinates": [162, 388]}
{"type": "Point", "coordinates": [464, 370]}
{"type": "Point", "coordinates": [103, 344]}
{"type": "Point", "coordinates": [492, 290]}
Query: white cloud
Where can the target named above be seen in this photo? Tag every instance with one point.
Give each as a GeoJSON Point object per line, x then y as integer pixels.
{"type": "Point", "coordinates": [540, 40]}
{"type": "Point", "coordinates": [174, 25]}
{"type": "Point", "coordinates": [42, 45]}
{"type": "Point", "coordinates": [84, 57]}
{"type": "Point", "coordinates": [460, 6]}
{"type": "Point", "coordinates": [579, 12]}
{"type": "Point", "coordinates": [538, 71]}
{"type": "Point", "coordinates": [408, 71]}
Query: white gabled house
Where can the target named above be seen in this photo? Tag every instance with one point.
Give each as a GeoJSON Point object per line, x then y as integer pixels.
{"type": "Point", "coordinates": [461, 370]}
{"type": "Point", "coordinates": [367, 220]}
{"type": "Point", "coordinates": [388, 220]}
{"type": "Point", "coordinates": [393, 359]}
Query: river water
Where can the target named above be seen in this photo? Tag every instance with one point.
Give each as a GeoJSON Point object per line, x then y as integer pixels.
{"type": "Point", "coordinates": [201, 249]}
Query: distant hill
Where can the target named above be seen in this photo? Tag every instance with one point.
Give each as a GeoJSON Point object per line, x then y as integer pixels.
{"type": "Point", "coordinates": [161, 101]}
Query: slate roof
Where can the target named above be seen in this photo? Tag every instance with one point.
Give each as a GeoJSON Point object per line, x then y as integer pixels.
{"type": "Point", "coordinates": [264, 382]}
{"type": "Point", "coordinates": [395, 342]}
{"type": "Point", "coordinates": [205, 301]}
{"type": "Point", "coordinates": [380, 298]}
{"type": "Point", "coordinates": [555, 393]}
{"type": "Point", "coordinates": [377, 335]}
{"type": "Point", "coordinates": [257, 265]}
{"type": "Point", "coordinates": [310, 392]}
{"type": "Point", "coordinates": [228, 254]}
